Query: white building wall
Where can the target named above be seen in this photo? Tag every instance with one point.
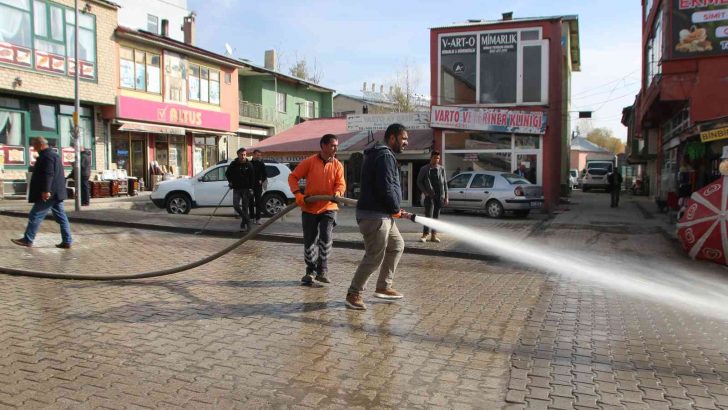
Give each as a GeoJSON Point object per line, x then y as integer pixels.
{"type": "Point", "coordinates": [133, 14]}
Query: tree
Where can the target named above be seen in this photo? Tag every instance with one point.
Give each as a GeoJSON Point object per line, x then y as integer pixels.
{"type": "Point", "coordinates": [302, 70]}
{"type": "Point", "coordinates": [406, 83]}
{"type": "Point", "coordinates": [604, 137]}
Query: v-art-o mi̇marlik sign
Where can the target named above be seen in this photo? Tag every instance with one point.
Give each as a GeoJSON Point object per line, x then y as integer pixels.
{"type": "Point", "coordinates": [171, 114]}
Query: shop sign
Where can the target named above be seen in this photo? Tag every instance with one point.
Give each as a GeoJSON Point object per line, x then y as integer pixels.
{"type": "Point", "coordinates": [171, 114]}
{"type": "Point", "coordinates": [375, 122]}
{"type": "Point", "coordinates": [714, 135]}
{"type": "Point", "coordinates": [699, 28]}
{"type": "Point", "coordinates": [13, 155]}
{"type": "Point", "coordinates": [484, 119]}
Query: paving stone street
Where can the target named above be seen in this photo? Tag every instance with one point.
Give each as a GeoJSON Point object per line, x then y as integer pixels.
{"type": "Point", "coordinates": [241, 332]}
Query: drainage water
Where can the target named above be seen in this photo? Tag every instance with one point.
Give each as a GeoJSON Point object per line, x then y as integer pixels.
{"type": "Point", "coordinates": [702, 292]}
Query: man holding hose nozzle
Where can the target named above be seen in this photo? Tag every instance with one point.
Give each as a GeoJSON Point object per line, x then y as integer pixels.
{"type": "Point", "coordinates": [378, 205]}
{"type": "Point", "coordinates": [324, 175]}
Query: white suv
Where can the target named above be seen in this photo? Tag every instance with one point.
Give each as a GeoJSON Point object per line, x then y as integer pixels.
{"type": "Point", "coordinates": [207, 188]}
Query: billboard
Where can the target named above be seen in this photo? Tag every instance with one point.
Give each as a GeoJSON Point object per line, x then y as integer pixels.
{"type": "Point", "coordinates": [699, 28]}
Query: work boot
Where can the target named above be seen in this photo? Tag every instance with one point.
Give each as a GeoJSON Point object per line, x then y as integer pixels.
{"type": "Point", "coordinates": [389, 294]}
{"type": "Point", "coordinates": [423, 239]}
{"type": "Point", "coordinates": [22, 242]}
{"type": "Point", "coordinates": [307, 279]}
{"type": "Point", "coordinates": [323, 277]}
{"type": "Point", "coordinates": [355, 301]}
{"type": "Point", "coordinates": [434, 238]}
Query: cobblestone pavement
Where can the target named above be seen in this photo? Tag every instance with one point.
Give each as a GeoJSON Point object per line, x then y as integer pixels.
{"type": "Point", "coordinates": [241, 333]}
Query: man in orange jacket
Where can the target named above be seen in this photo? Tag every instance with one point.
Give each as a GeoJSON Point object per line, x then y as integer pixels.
{"type": "Point", "coordinates": [324, 175]}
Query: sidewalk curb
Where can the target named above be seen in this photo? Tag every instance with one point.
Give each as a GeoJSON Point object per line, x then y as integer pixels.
{"type": "Point", "coordinates": [342, 244]}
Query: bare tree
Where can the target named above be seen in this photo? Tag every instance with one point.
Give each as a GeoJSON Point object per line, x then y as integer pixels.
{"type": "Point", "coordinates": [302, 70]}
{"type": "Point", "coordinates": [404, 87]}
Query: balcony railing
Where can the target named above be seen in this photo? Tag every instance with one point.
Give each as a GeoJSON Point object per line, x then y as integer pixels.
{"type": "Point", "coordinates": [251, 110]}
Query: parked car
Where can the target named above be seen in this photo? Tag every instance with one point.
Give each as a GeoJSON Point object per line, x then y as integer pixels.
{"type": "Point", "coordinates": [596, 175]}
{"type": "Point", "coordinates": [574, 178]}
{"type": "Point", "coordinates": [494, 192]}
{"type": "Point", "coordinates": [207, 188]}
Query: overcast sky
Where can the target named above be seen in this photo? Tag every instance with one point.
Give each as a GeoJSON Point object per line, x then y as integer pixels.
{"type": "Point", "coordinates": [357, 41]}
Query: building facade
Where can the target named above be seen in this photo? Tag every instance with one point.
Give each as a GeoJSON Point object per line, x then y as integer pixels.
{"type": "Point", "coordinates": [678, 126]}
{"type": "Point", "coordinates": [175, 106]}
{"type": "Point", "coordinates": [500, 96]}
{"type": "Point", "coordinates": [37, 68]}
{"type": "Point", "coordinates": [149, 15]}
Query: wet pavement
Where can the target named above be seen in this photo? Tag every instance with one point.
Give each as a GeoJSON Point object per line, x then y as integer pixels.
{"type": "Point", "coordinates": [241, 332]}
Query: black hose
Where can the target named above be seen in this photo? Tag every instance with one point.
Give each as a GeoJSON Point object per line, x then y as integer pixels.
{"type": "Point", "coordinates": [177, 269]}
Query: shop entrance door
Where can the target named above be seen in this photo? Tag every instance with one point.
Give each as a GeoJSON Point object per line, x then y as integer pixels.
{"type": "Point", "coordinates": [138, 159]}
{"type": "Point", "coordinates": [405, 178]}
{"type": "Point", "coordinates": [530, 164]}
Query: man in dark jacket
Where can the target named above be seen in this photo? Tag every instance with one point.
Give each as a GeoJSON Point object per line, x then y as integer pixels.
{"type": "Point", "coordinates": [431, 182]}
{"type": "Point", "coordinates": [381, 193]}
{"type": "Point", "coordinates": [260, 179]}
{"type": "Point", "coordinates": [614, 179]}
{"type": "Point", "coordinates": [241, 177]}
{"type": "Point", "coordinates": [85, 186]}
{"type": "Point", "coordinates": [46, 192]}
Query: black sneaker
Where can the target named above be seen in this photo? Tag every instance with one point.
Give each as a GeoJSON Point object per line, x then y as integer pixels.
{"type": "Point", "coordinates": [323, 278]}
{"type": "Point", "coordinates": [307, 279]}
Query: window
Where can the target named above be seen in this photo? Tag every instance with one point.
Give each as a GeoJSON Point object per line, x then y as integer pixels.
{"type": "Point", "coordinates": [271, 171]}
{"type": "Point", "coordinates": [206, 153]}
{"type": "Point", "coordinates": [217, 174]}
{"type": "Point", "coordinates": [281, 102]}
{"type": "Point", "coordinates": [506, 67]}
{"type": "Point", "coordinates": [648, 8]}
{"type": "Point", "coordinates": [42, 117]}
{"type": "Point", "coordinates": [308, 109]}
{"type": "Point", "coordinates": [139, 70]}
{"type": "Point", "coordinates": [460, 181]}
{"type": "Point", "coordinates": [204, 84]}
{"type": "Point", "coordinates": [482, 181]}
{"type": "Point", "coordinates": [11, 128]}
{"type": "Point", "coordinates": [84, 128]}
{"type": "Point", "coordinates": [228, 78]}
{"type": "Point", "coordinates": [39, 34]}
{"type": "Point", "coordinates": [653, 51]}
{"type": "Point", "coordinates": [152, 24]}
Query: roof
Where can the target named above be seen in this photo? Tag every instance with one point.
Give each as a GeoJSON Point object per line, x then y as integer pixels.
{"type": "Point", "coordinates": [170, 43]}
{"type": "Point", "coordinates": [571, 19]}
{"type": "Point", "coordinates": [259, 69]}
{"type": "Point", "coordinates": [583, 144]}
{"type": "Point", "coordinates": [303, 137]}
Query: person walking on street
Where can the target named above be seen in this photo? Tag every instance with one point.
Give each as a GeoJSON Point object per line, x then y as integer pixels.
{"type": "Point", "coordinates": [324, 175]}
{"type": "Point", "coordinates": [84, 187]}
{"type": "Point", "coordinates": [378, 205]}
{"type": "Point", "coordinates": [256, 205]}
{"type": "Point", "coordinates": [614, 179]}
{"type": "Point", "coordinates": [431, 182]}
{"type": "Point", "coordinates": [240, 176]}
{"type": "Point", "coordinates": [46, 192]}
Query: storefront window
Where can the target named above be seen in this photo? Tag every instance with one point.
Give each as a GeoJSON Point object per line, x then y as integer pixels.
{"type": "Point", "coordinates": [214, 87]}
{"type": "Point", "coordinates": [526, 142]}
{"type": "Point", "coordinates": [11, 128]}
{"type": "Point", "coordinates": [171, 154]}
{"type": "Point", "coordinates": [458, 69]}
{"type": "Point", "coordinates": [204, 84]}
{"type": "Point", "coordinates": [42, 117]}
{"type": "Point", "coordinates": [139, 70]}
{"type": "Point", "coordinates": [206, 153]}
{"type": "Point", "coordinates": [475, 140]}
{"type": "Point", "coordinates": [154, 80]}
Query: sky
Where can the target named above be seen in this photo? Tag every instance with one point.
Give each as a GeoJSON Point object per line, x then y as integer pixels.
{"type": "Point", "coordinates": [371, 41]}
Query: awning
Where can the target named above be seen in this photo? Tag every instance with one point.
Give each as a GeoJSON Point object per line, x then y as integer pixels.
{"type": "Point", "coordinates": [151, 128]}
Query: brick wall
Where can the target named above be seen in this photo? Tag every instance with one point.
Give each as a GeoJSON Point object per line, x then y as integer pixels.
{"type": "Point", "coordinates": [102, 91]}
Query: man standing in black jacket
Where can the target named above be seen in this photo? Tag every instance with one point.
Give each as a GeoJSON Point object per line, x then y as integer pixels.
{"type": "Point", "coordinates": [260, 179]}
{"type": "Point", "coordinates": [84, 186]}
{"type": "Point", "coordinates": [240, 175]}
{"type": "Point", "coordinates": [46, 192]}
{"type": "Point", "coordinates": [381, 193]}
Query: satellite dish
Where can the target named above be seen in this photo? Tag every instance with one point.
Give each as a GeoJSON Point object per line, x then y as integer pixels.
{"type": "Point", "coordinates": [228, 49]}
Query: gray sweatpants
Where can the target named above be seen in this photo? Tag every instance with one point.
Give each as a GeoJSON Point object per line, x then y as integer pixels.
{"type": "Point", "coordinates": [383, 247]}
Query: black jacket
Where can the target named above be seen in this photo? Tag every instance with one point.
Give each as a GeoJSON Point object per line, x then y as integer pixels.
{"type": "Point", "coordinates": [85, 166]}
{"type": "Point", "coordinates": [260, 175]}
{"type": "Point", "coordinates": [47, 177]}
{"type": "Point", "coordinates": [380, 187]}
{"type": "Point", "coordinates": [240, 175]}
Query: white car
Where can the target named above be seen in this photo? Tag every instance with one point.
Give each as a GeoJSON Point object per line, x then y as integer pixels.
{"type": "Point", "coordinates": [207, 188]}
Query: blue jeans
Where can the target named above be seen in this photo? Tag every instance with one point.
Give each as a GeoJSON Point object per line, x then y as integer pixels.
{"type": "Point", "coordinates": [38, 213]}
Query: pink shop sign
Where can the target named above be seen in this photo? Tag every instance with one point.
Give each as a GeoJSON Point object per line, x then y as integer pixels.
{"type": "Point", "coordinates": [171, 114]}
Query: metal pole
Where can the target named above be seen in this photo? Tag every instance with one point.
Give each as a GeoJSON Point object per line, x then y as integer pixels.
{"type": "Point", "coordinates": [76, 136]}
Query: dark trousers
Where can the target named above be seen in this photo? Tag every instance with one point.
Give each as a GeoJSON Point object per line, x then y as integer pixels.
{"type": "Point", "coordinates": [615, 197]}
{"type": "Point", "coordinates": [317, 240]}
{"type": "Point", "coordinates": [241, 204]}
{"type": "Point", "coordinates": [256, 205]}
{"type": "Point", "coordinates": [432, 210]}
{"type": "Point", "coordinates": [85, 191]}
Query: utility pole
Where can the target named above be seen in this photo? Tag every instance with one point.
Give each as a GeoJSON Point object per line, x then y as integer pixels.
{"type": "Point", "coordinates": [76, 134]}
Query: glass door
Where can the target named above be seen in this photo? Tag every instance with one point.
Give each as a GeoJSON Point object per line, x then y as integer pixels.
{"type": "Point", "coordinates": [138, 159]}
{"type": "Point", "coordinates": [405, 178]}
{"type": "Point", "coordinates": [527, 165]}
